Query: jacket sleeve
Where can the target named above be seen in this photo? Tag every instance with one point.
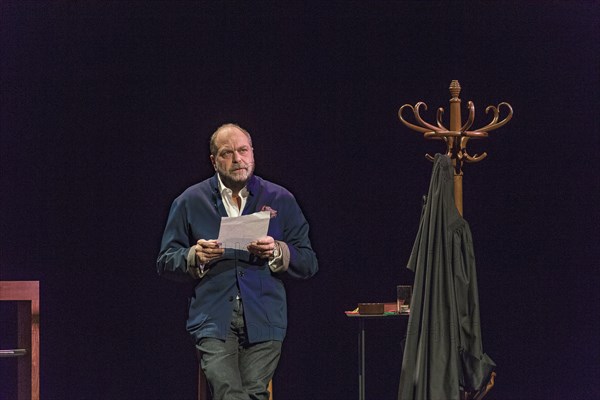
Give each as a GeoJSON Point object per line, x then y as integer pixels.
{"type": "Point", "coordinates": [173, 260]}
{"type": "Point", "coordinates": [303, 262]}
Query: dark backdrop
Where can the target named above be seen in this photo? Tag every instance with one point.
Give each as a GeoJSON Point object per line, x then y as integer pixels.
{"type": "Point", "coordinates": [106, 109]}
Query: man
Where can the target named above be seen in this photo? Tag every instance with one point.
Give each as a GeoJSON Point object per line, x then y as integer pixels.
{"type": "Point", "coordinates": [238, 312]}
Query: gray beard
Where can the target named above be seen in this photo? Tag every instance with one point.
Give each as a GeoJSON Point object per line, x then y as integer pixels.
{"type": "Point", "coordinates": [232, 184]}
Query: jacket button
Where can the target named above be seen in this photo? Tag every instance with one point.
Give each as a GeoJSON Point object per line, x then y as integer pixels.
{"type": "Point", "coordinates": [241, 273]}
{"type": "Point", "coordinates": [231, 298]}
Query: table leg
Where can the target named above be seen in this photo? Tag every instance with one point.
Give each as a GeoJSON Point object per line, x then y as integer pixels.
{"type": "Point", "coordinates": [361, 359]}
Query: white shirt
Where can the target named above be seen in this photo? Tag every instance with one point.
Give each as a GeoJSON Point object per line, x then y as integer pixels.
{"type": "Point", "coordinates": [230, 204]}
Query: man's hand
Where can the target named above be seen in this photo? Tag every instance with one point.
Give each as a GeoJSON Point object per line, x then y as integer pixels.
{"type": "Point", "coordinates": [263, 247]}
{"type": "Point", "coordinates": [208, 250]}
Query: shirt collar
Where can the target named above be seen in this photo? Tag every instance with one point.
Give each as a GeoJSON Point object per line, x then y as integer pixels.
{"type": "Point", "coordinates": [225, 190]}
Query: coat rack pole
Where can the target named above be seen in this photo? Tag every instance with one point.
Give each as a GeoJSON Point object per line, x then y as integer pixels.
{"type": "Point", "coordinates": [455, 124]}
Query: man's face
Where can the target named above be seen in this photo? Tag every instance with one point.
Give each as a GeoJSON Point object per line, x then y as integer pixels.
{"type": "Point", "coordinates": [234, 160]}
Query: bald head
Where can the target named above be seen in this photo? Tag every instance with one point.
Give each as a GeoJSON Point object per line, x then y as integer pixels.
{"type": "Point", "coordinates": [224, 128]}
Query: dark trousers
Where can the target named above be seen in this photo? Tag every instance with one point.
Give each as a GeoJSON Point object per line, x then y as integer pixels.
{"type": "Point", "coordinates": [236, 369]}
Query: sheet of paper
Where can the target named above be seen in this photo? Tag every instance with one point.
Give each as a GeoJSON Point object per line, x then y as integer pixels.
{"type": "Point", "coordinates": [237, 232]}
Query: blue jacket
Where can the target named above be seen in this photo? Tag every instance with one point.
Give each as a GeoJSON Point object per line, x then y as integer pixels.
{"type": "Point", "coordinates": [196, 214]}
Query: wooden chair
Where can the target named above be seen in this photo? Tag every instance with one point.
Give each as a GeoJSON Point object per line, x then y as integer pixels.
{"type": "Point", "coordinates": [480, 394]}
{"type": "Point", "coordinates": [27, 295]}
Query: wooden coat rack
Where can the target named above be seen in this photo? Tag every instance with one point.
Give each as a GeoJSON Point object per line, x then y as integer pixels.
{"type": "Point", "coordinates": [456, 139]}
{"type": "Point", "coordinates": [458, 135]}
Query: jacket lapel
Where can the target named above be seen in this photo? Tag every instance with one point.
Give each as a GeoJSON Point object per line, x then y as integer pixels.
{"type": "Point", "coordinates": [253, 187]}
{"type": "Point", "coordinates": [217, 199]}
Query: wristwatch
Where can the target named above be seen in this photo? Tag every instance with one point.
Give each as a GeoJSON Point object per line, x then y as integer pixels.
{"type": "Point", "coordinates": [276, 250]}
